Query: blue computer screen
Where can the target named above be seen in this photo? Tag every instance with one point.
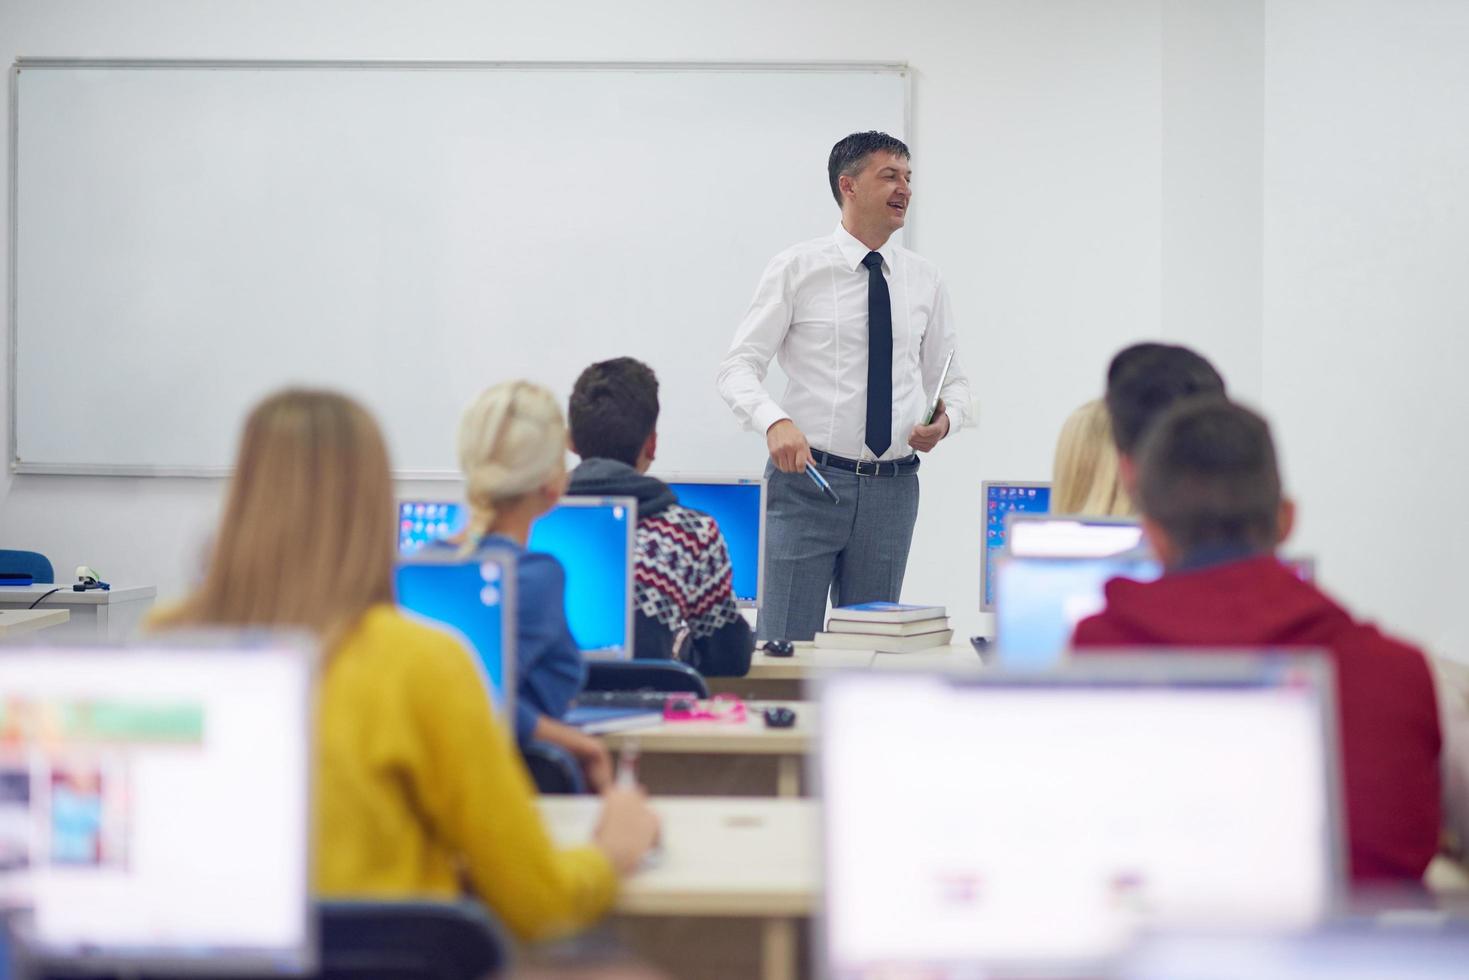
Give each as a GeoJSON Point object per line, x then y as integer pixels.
{"type": "Point", "coordinates": [422, 521]}
{"type": "Point", "coordinates": [1039, 601]}
{"type": "Point", "coordinates": [736, 508]}
{"type": "Point", "coordinates": [1003, 499]}
{"type": "Point", "coordinates": [593, 544]}
{"type": "Point", "coordinates": [467, 596]}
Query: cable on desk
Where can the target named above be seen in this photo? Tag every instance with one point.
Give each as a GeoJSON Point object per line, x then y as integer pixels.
{"type": "Point", "coordinates": [43, 596]}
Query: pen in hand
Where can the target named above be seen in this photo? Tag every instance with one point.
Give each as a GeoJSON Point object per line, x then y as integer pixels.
{"type": "Point", "coordinates": [821, 483]}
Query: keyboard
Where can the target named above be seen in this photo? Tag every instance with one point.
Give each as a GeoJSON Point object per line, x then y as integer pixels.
{"type": "Point", "coordinates": [630, 699]}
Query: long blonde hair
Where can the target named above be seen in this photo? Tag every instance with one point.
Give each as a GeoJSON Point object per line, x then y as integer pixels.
{"type": "Point", "coordinates": [1085, 477]}
{"type": "Point", "coordinates": [512, 441]}
{"type": "Point", "coordinates": [308, 537]}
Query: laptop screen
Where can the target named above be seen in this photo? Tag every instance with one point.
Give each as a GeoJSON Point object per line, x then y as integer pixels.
{"type": "Point", "coordinates": [1045, 818]}
{"type": "Point", "coordinates": [738, 506]}
{"type": "Point", "coordinates": [155, 805]}
{"type": "Point", "coordinates": [1040, 600]}
{"type": "Point", "coordinates": [473, 598]}
{"type": "Point", "coordinates": [1000, 501]}
{"type": "Point", "coordinates": [593, 539]}
{"type": "Point", "coordinates": [1071, 537]}
{"type": "Point", "coordinates": [423, 521]}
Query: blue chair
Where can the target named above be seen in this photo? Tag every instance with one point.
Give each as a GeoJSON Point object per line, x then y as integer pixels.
{"type": "Point", "coordinates": [31, 563]}
{"type": "Point", "coordinates": [410, 941]}
{"type": "Point", "coordinates": [553, 769]}
{"type": "Point", "coordinates": [668, 676]}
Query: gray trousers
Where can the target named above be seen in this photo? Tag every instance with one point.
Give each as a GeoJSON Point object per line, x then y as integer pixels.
{"type": "Point", "coordinates": [856, 550]}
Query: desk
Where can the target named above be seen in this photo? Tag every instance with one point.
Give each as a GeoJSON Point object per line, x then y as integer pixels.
{"type": "Point", "coordinates": [13, 621]}
{"type": "Point", "coordinates": [673, 757]}
{"type": "Point", "coordinates": [784, 678]}
{"type": "Point", "coordinates": [114, 615]}
{"type": "Point", "coordinates": [722, 858]}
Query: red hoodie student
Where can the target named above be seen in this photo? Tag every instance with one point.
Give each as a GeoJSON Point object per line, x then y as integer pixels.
{"type": "Point", "coordinates": [1209, 491]}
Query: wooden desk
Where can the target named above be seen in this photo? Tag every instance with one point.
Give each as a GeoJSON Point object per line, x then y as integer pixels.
{"type": "Point", "coordinates": [721, 858]}
{"type": "Point", "coordinates": [13, 621]}
{"type": "Point", "coordinates": [96, 615]}
{"type": "Point", "coordinates": [784, 678]}
{"type": "Point", "coordinates": [692, 743]}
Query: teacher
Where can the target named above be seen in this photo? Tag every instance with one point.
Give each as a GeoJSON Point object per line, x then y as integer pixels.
{"type": "Point", "coordinates": [862, 329]}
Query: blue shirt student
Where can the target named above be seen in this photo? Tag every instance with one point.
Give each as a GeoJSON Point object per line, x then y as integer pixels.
{"type": "Point", "coordinates": [550, 670]}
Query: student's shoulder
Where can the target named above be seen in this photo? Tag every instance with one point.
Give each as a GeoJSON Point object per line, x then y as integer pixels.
{"type": "Point", "coordinates": [391, 636]}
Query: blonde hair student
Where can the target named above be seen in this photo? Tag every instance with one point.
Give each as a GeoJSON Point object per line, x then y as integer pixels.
{"type": "Point", "coordinates": [417, 786]}
{"type": "Point", "coordinates": [512, 450]}
{"type": "Point", "coordinates": [1085, 478]}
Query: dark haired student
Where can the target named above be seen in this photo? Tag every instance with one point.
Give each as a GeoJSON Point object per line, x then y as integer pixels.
{"type": "Point", "coordinates": [683, 593]}
{"type": "Point", "coordinates": [1208, 488]}
{"type": "Point", "coordinates": [1143, 382]}
{"type": "Point", "coordinates": [862, 329]}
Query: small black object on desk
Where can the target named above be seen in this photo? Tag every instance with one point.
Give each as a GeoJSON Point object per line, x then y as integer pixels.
{"type": "Point", "coordinates": [779, 717]}
{"type": "Point", "coordinates": [780, 648]}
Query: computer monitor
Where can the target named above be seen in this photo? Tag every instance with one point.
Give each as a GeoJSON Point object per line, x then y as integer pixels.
{"type": "Point", "coordinates": [1032, 823]}
{"type": "Point", "coordinates": [473, 597]}
{"type": "Point", "coordinates": [1069, 536]}
{"type": "Point", "coordinates": [737, 504]}
{"type": "Point", "coordinates": [421, 522]}
{"type": "Point", "coordinates": [594, 538]}
{"type": "Point", "coordinates": [155, 805]}
{"type": "Point", "coordinates": [1039, 601]}
{"type": "Point", "coordinates": [1002, 498]}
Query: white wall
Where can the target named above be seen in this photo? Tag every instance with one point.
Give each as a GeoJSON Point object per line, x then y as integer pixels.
{"type": "Point", "coordinates": [1038, 153]}
{"type": "Point", "coordinates": [1366, 298]}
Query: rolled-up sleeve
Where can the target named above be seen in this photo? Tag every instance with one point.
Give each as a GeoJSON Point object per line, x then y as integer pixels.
{"type": "Point", "coordinates": [760, 334]}
{"type": "Point", "coordinates": [941, 338]}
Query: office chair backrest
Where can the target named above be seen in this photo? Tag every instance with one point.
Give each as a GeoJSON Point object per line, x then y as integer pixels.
{"type": "Point", "coordinates": [31, 563]}
{"type": "Point", "coordinates": [410, 941]}
{"type": "Point", "coordinates": [554, 770]}
{"type": "Point", "coordinates": [645, 675]}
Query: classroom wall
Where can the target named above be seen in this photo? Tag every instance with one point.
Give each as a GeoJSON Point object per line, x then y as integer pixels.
{"type": "Point", "coordinates": [1366, 298]}
{"type": "Point", "coordinates": [1088, 174]}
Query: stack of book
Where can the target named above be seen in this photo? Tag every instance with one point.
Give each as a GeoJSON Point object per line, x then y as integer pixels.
{"type": "Point", "coordinates": [886, 627]}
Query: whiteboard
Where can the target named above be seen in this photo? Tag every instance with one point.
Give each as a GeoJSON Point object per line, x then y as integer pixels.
{"type": "Point", "coordinates": [187, 237]}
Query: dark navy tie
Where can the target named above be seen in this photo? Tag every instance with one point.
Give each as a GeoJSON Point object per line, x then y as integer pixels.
{"type": "Point", "coordinates": [879, 358]}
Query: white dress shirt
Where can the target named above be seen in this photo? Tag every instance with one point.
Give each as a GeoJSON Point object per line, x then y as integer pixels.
{"type": "Point", "coordinates": [810, 311]}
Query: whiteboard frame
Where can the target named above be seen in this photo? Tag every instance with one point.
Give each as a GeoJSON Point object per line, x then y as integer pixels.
{"type": "Point", "coordinates": [19, 466]}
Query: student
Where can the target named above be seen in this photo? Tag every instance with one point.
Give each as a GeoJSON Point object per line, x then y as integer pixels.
{"type": "Point", "coordinates": [1085, 479]}
{"type": "Point", "coordinates": [684, 598]}
{"type": "Point", "coordinates": [512, 451]}
{"type": "Point", "coordinates": [418, 791]}
{"type": "Point", "coordinates": [1209, 491]}
{"type": "Point", "coordinates": [1142, 382]}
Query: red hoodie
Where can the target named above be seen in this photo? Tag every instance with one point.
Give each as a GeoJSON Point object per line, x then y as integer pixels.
{"type": "Point", "coordinates": [1385, 696]}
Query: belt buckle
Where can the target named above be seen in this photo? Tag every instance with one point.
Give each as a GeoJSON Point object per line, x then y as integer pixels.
{"type": "Point", "coordinates": [867, 462]}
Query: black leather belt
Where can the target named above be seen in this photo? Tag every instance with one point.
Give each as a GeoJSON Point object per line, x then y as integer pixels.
{"type": "Point", "coordinates": [868, 467]}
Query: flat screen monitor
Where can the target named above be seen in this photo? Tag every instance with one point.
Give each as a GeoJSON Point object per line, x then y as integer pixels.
{"type": "Point", "coordinates": [1045, 818]}
{"type": "Point", "coordinates": [1001, 499]}
{"type": "Point", "coordinates": [1066, 536]}
{"type": "Point", "coordinates": [422, 522]}
{"type": "Point", "coordinates": [155, 805]}
{"type": "Point", "coordinates": [737, 504]}
{"type": "Point", "coordinates": [593, 538]}
{"type": "Point", "coordinates": [1039, 601]}
{"type": "Point", "coordinates": [474, 598]}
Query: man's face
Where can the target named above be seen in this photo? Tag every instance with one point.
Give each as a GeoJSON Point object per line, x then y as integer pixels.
{"type": "Point", "coordinates": [880, 191]}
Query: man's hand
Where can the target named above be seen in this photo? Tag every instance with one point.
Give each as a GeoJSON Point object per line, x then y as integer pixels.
{"type": "Point", "coordinates": [789, 450]}
{"type": "Point", "coordinates": [925, 437]}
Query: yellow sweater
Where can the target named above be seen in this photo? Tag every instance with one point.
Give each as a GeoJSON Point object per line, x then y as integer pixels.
{"type": "Point", "coordinates": [416, 781]}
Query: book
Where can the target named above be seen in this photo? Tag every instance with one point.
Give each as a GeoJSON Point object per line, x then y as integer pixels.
{"type": "Point", "coordinates": [883, 644]}
{"type": "Point", "coordinates": [835, 625]}
{"type": "Point", "coordinates": [602, 721]}
{"type": "Point", "coordinates": [887, 612]}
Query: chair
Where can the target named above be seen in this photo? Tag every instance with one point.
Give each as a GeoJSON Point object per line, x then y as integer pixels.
{"type": "Point", "coordinates": [31, 563]}
{"type": "Point", "coordinates": [410, 941]}
{"type": "Point", "coordinates": [670, 676]}
{"type": "Point", "coordinates": [553, 769]}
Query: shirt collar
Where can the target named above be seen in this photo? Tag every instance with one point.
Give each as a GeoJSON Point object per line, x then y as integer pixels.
{"type": "Point", "coordinates": [853, 251]}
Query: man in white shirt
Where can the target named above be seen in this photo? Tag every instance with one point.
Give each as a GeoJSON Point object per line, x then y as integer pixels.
{"type": "Point", "coordinates": [861, 328]}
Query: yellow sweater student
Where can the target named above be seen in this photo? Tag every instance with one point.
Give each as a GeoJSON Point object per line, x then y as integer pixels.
{"type": "Point", "coordinates": [413, 774]}
{"type": "Point", "coordinates": [419, 791]}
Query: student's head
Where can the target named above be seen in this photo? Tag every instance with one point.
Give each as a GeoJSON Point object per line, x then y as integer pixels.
{"type": "Point", "coordinates": [1085, 478]}
{"type": "Point", "coordinates": [614, 413]}
{"type": "Point", "coordinates": [512, 451]}
{"type": "Point", "coordinates": [1142, 382]}
{"type": "Point", "coordinates": [1208, 479]}
{"type": "Point", "coordinates": [870, 178]}
{"type": "Point", "coordinates": [307, 537]}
